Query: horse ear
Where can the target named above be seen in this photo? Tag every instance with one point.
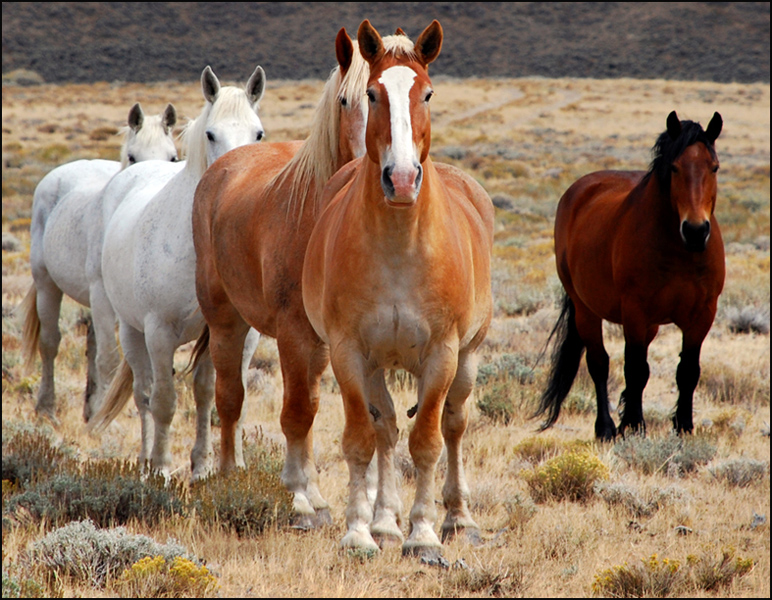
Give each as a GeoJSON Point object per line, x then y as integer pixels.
{"type": "Point", "coordinates": [210, 85]}
{"type": "Point", "coordinates": [400, 31]}
{"type": "Point", "coordinates": [370, 42]}
{"type": "Point", "coordinates": [136, 117]}
{"type": "Point", "coordinates": [429, 43]}
{"type": "Point", "coordinates": [714, 127]}
{"type": "Point", "coordinates": [344, 50]}
{"type": "Point", "coordinates": [256, 85]}
{"type": "Point", "coordinates": [170, 117]}
{"type": "Point", "coordinates": [673, 126]}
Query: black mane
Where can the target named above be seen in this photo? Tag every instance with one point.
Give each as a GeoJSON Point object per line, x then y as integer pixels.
{"type": "Point", "coordinates": [666, 150]}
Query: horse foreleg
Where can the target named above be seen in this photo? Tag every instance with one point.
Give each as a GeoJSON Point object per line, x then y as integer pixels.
{"type": "Point", "coordinates": [455, 416]}
{"type": "Point", "coordinates": [359, 442]}
{"type": "Point", "coordinates": [303, 360]}
{"type": "Point", "coordinates": [135, 352]}
{"type": "Point", "coordinates": [688, 375]}
{"type": "Point", "coordinates": [425, 444]}
{"type": "Point", "coordinates": [388, 506]}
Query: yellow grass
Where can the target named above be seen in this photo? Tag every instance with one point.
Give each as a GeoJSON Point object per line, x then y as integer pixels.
{"type": "Point", "coordinates": [526, 140]}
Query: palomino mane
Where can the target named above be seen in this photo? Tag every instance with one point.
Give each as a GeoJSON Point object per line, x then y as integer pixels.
{"type": "Point", "coordinates": [315, 162]}
{"type": "Point", "coordinates": [666, 150]}
{"type": "Point", "coordinates": [231, 103]}
{"type": "Point", "coordinates": [150, 134]}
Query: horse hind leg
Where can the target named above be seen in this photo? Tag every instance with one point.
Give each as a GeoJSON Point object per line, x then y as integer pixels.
{"type": "Point", "coordinates": [590, 328]}
{"type": "Point", "coordinates": [455, 416]}
{"type": "Point", "coordinates": [48, 305]}
{"type": "Point", "coordinates": [203, 394]}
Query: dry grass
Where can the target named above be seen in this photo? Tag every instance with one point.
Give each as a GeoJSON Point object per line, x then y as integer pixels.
{"type": "Point", "coordinates": [526, 141]}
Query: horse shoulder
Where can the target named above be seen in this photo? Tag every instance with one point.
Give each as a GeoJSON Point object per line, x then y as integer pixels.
{"type": "Point", "coordinates": [466, 191]}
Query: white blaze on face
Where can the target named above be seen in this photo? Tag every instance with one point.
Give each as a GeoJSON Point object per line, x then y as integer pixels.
{"type": "Point", "coordinates": [398, 81]}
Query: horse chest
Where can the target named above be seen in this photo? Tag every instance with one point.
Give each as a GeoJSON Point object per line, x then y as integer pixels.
{"type": "Point", "coordinates": [395, 335]}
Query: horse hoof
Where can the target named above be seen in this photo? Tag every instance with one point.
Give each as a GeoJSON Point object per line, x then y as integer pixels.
{"type": "Point", "coordinates": [472, 535]}
{"type": "Point", "coordinates": [359, 539]}
{"type": "Point", "coordinates": [388, 539]}
{"type": "Point", "coordinates": [428, 554]}
{"type": "Point", "coordinates": [323, 517]}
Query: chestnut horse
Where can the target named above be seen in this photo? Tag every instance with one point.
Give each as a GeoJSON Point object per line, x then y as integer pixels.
{"type": "Point", "coordinates": [397, 276]}
{"type": "Point", "coordinates": [253, 211]}
{"type": "Point", "coordinates": [639, 249]}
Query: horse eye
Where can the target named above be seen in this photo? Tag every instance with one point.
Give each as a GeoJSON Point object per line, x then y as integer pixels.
{"type": "Point", "coordinates": [715, 169]}
{"type": "Point", "coordinates": [132, 160]}
{"type": "Point", "coordinates": [259, 135]}
{"type": "Point", "coordinates": [370, 96]}
{"type": "Point", "coordinates": [210, 136]}
{"type": "Point", "coordinates": [174, 159]}
{"type": "Point", "coordinates": [674, 169]}
{"type": "Point", "coordinates": [429, 96]}
{"type": "Point", "coordinates": [343, 102]}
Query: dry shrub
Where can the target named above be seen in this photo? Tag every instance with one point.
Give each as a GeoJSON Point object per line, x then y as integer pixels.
{"type": "Point", "coordinates": [246, 501]}
{"type": "Point", "coordinates": [740, 472]}
{"type": "Point", "coordinates": [655, 578]}
{"type": "Point", "coordinates": [724, 385]}
{"type": "Point", "coordinates": [569, 476]}
{"type": "Point", "coordinates": [652, 578]}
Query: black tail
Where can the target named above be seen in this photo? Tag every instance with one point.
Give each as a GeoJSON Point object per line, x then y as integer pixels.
{"type": "Point", "coordinates": [566, 355]}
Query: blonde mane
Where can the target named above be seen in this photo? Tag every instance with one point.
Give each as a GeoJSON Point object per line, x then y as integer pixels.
{"type": "Point", "coordinates": [315, 162]}
{"type": "Point", "coordinates": [231, 103]}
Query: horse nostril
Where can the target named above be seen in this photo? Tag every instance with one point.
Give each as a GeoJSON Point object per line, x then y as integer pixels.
{"type": "Point", "coordinates": [695, 236]}
{"type": "Point", "coordinates": [386, 183]}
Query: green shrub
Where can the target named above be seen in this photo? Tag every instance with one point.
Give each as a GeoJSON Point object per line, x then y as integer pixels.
{"type": "Point", "coordinates": [496, 403]}
{"type": "Point", "coordinates": [81, 551]}
{"type": "Point", "coordinates": [156, 577]}
{"type": "Point", "coordinates": [246, 501]}
{"type": "Point", "coordinates": [568, 476]}
{"type": "Point", "coordinates": [672, 454]}
{"type": "Point", "coordinates": [106, 492]}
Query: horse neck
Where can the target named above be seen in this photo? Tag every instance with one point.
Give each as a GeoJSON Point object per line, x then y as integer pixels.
{"type": "Point", "coordinates": [405, 230]}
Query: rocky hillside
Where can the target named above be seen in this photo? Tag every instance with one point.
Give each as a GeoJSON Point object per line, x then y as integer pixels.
{"type": "Point", "coordinates": [161, 41]}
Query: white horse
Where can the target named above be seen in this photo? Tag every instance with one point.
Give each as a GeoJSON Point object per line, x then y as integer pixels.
{"type": "Point", "coordinates": [66, 203]}
{"type": "Point", "coordinates": [148, 270]}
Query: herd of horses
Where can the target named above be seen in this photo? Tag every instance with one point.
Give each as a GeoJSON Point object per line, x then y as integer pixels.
{"type": "Point", "coordinates": [353, 248]}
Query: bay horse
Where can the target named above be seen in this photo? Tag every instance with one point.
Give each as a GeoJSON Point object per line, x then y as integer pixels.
{"type": "Point", "coordinates": [65, 207]}
{"type": "Point", "coordinates": [148, 272]}
{"type": "Point", "coordinates": [252, 214]}
{"type": "Point", "coordinates": [642, 250]}
{"type": "Point", "coordinates": [397, 276]}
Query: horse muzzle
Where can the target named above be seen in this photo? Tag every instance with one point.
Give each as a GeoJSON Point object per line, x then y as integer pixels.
{"type": "Point", "coordinates": [401, 185]}
{"type": "Point", "coordinates": [695, 237]}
